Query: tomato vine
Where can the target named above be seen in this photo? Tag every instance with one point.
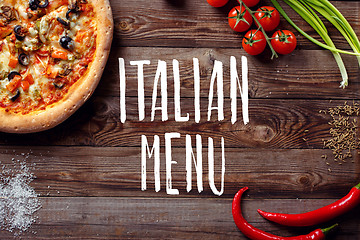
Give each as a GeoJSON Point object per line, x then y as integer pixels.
{"type": "Point", "coordinates": [267, 38]}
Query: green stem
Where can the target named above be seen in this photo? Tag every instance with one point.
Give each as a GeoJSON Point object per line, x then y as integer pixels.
{"type": "Point", "coordinates": [304, 10]}
{"type": "Point", "coordinates": [357, 186]}
{"type": "Point", "coordinates": [273, 53]}
{"type": "Point", "coordinates": [283, 13]}
{"type": "Point", "coordinates": [342, 18]}
{"type": "Point", "coordinates": [328, 230]}
{"type": "Point", "coordinates": [334, 16]}
{"type": "Point", "coordinates": [312, 12]}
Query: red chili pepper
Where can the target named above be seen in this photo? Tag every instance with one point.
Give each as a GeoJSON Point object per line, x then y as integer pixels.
{"type": "Point", "coordinates": [317, 216]}
{"type": "Point", "coordinates": [256, 234]}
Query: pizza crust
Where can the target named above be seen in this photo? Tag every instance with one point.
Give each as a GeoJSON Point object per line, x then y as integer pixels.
{"type": "Point", "coordinates": [78, 93]}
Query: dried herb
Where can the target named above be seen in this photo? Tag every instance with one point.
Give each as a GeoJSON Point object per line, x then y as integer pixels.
{"type": "Point", "coordinates": [344, 128]}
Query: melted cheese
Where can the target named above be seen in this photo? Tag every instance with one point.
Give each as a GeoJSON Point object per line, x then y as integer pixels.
{"type": "Point", "coordinates": [42, 39]}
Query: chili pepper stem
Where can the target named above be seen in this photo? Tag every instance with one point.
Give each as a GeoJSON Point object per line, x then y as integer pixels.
{"type": "Point", "coordinates": [273, 53]}
{"type": "Point", "coordinates": [328, 230]}
{"type": "Point", "coordinates": [317, 216]}
{"type": "Point", "coordinates": [256, 234]}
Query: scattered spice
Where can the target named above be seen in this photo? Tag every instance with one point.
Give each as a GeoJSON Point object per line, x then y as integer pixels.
{"type": "Point", "coordinates": [18, 200]}
{"type": "Point", "coordinates": [344, 138]}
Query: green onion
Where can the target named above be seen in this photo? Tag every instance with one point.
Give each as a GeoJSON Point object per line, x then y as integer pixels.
{"type": "Point", "coordinates": [334, 16]}
{"type": "Point", "coordinates": [282, 12]}
{"type": "Point", "coordinates": [306, 9]}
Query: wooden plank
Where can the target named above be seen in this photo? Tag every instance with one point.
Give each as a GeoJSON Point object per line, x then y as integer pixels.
{"type": "Point", "coordinates": [89, 168]}
{"type": "Point", "coordinates": [136, 218]}
{"type": "Point", "coordinates": [290, 76]}
{"type": "Point", "coordinates": [196, 24]}
{"type": "Point", "coordinates": [273, 124]}
{"type": "Point", "coordinates": [110, 171]}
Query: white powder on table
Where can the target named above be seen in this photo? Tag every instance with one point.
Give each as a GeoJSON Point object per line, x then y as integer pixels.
{"type": "Point", "coordinates": [18, 200]}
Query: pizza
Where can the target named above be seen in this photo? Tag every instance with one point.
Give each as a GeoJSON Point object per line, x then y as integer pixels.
{"type": "Point", "coordinates": [52, 55]}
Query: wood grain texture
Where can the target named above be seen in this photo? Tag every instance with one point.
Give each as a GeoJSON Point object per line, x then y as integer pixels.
{"type": "Point", "coordinates": [88, 169]}
{"type": "Point", "coordinates": [195, 24]}
{"type": "Point", "coordinates": [158, 218]}
{"type": "Point", "coordinates": [116, 171]}
{"type": "Point", "coordinates": [291, 76]}
{"type": "Point", "coordinates": [294, 124]}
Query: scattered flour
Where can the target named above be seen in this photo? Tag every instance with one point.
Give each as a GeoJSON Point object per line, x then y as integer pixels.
{"type": "Point", "coordinates": [18, 200]}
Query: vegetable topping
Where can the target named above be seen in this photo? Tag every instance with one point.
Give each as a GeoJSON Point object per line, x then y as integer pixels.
{"type": "Point", "coordinates": [66, 42]}
{"type": "Point", "coordinates": [62, 21]}
{"type": "Point", "coordinates": [43, 5]}
{"type": "Point", "coordinates": [16, 96]}
{"type": "Point", "coordinates": [12, 75]}
{"type": "Point", "coordinates": [24, 59]}
{"type": "Point", "coordinates": [19, 32]}
{"type": "Point", "coordinates": [8, 13]}
{"type": "Point", "coordinates": [33, 4]}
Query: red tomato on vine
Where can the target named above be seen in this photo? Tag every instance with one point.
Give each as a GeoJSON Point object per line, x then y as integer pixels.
{"type": "Point", "coordinates": [254, 42]}
{"type": "Point", "coordinates": [217, 3]}
{"type": "Point", "coordinates": [283, 41]}
{"type": "Point", "coordinates": [268, 17]}
{"type": "Point", "coordinates": [251, 3]}
{"type": "Point", "coordinates": [239, 19]}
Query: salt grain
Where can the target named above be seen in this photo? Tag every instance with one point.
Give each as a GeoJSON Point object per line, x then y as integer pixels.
{"type": "Point", "coordinates": [18, 200]}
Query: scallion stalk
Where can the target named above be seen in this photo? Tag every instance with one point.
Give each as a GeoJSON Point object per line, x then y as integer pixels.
{"type": "Point", "coordinates": [283, 13]}
{"type": "Point", "coordinates": [305, 11]}
{"type": "Point", "coordinates": [305, 8]}
{"type": "Point", "coordinates": [335, 17]}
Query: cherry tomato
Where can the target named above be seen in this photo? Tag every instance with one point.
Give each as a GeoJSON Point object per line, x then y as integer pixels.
{"type": "Point", "coordinates": [251, 3]}
{"type": "Point", "coordinates": [217, 3]}
{"type": "Point", "coordinates": [239, 19]}
{"type": "Point", "coordinates": [283, 41]}
{"type": "Point", "coordinates": [268, 17]}
{"type": "Point", "coordinates": [254, 42]}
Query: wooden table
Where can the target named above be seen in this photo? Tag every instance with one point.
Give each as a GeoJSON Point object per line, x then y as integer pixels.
{"type": "Point", "coordinates": [89, 168]}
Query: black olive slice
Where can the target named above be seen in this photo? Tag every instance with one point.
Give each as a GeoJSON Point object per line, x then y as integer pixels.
{"type": "Point", "coordinates": [19, 32]}
{"type": "Point", "coordinates": [58, 85]}
{"type": "Point", "coordinates": [8, 13]}
{"type": "Point", "coordinates": [5, 8]}
{"type": "Point", "coordinates": [76, 10]}
{"type": "Point", "coordinates": [44, 5]}
{"type": "Point", "coordinates": [12, 75]}
{"type": "Point", "coordinates": [62, 21]}
{"type": "Point", "coordinates": [33, 4]}
{"type": "Point", "coordinates": [66, 42]}
{"type": "Point", "coordinates": [17, 29]}
{"type": "Point", "coordinates": [68, 14]}
{"type": "Point", "coordinates": [16, 96]}
{"type": "Point", "coordinates": [24, 59]}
